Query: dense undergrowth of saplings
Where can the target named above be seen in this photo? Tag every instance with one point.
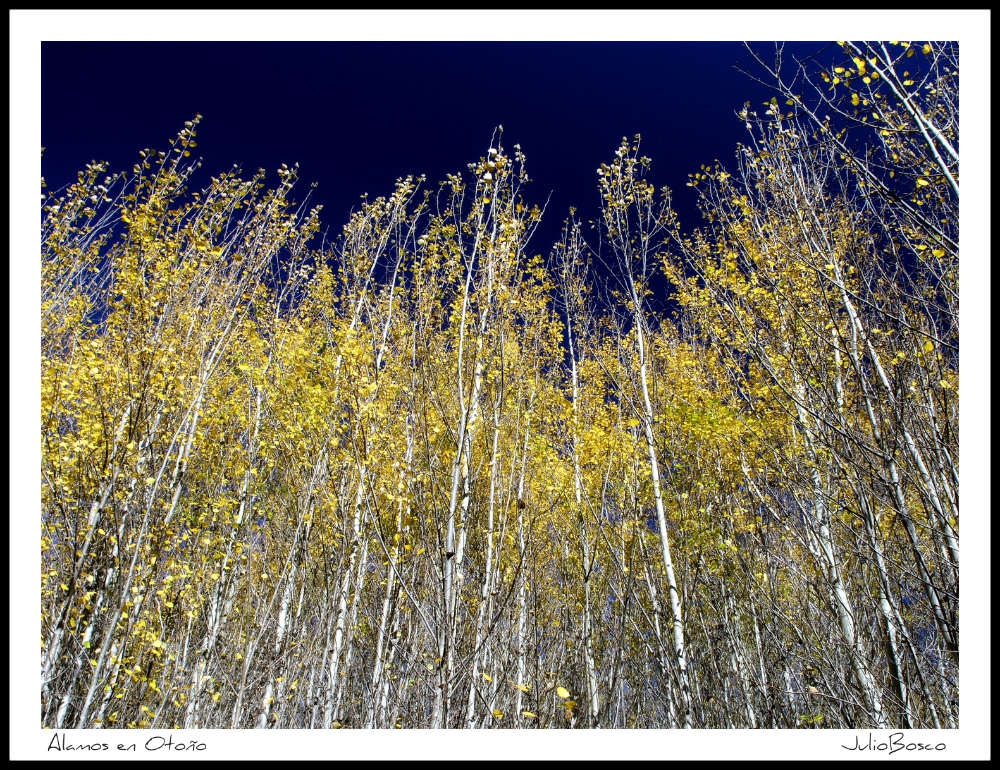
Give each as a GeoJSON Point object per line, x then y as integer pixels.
{"type": "Point", "coordinates": [427, 476]}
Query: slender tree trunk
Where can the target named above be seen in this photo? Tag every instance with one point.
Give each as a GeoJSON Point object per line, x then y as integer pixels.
{"type": "Point", "coordinates": [680, 652]}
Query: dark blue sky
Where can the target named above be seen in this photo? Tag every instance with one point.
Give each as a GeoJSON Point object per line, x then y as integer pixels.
{"type": "Point", "coordinates": [357, 115]}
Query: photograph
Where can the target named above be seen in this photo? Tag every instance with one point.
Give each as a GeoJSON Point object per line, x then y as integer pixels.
{"type": "Point", "coordinates": [592, 375]}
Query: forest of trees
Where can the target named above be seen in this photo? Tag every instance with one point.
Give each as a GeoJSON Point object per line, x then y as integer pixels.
{"type": "Point", "coordinates": [431, 474]}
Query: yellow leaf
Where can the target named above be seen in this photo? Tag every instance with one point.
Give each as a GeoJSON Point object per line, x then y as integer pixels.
{"type": "Point", "coordinates": [529, 715]}
{"type": "Point", "coordinates": [523, 687]}
{"type": "Point", "coordinates": [487, 677]}
{"type": "Point", "coordinates": [921, 182]}
{"type": "Point", "coordinates": [927, 47]}
{"type": "Point", "coordinates": [855, 100]}
{"type": "Point", "coordinates": [938, 252]}
{"type": "Point", "coordinates": [928, 346]}
{"type": "Point", "coordinates": [498, 713]}
{"type": "Point", "coordinates": [562, 692]}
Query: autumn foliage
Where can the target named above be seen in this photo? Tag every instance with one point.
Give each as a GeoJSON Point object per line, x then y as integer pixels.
{"type": "Point", "coordinates": [429, 477]}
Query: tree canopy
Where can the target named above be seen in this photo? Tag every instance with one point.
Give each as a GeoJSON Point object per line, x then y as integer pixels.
{"type": "Point", "coordinates": [426, 476]}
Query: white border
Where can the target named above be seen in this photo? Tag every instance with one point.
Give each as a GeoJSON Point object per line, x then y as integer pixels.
{"type": "Point", "coordinates": [29, 28]}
